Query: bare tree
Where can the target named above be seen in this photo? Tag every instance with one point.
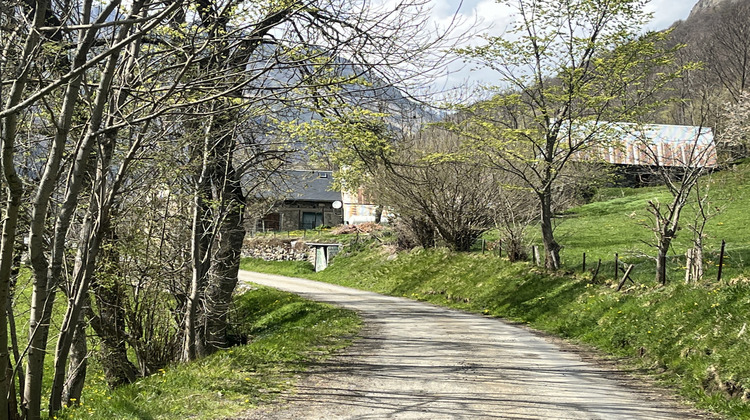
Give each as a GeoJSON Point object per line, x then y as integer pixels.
{"type": "Point", "coordinates": [515, 211]}
{"type": "Point", "coordinates": [422, 179]}
{"type": "Point", "coordinates": [726, 45]}
{"type": "Point", "coordinates": [680, 169]}
{"type": "Point", "coordinates": [20, 72]}
{"type": "Point", "coordinates": [704, 207]}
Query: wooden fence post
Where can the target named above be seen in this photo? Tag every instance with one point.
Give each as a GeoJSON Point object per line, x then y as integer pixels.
{"type": "Point", "coordinates": [584, 262]}
{"type": "Point", "coordinates": [689, 265]}
{"type": "Point", "coordinates": [625, 277]}
{"type": "Point", "coordinates": [721, 260]}
{"type": "Point", "coordinates": [596, 272]}
{"type": "Point", "coordinates": [617, 270]}
{"type": "Point", "coordinates": [483, 245]}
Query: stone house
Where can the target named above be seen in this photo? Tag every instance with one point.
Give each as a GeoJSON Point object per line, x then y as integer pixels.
{"type": "Point", "coordinates": [304, 199]}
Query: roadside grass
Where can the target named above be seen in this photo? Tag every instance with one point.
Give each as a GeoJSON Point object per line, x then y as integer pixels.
{"type": "Point", "coordinates": [693, 338]}
{"type": "Point", "coordinates": [690, 338]}
{"type": "Point", "coordinates": [285, 332]}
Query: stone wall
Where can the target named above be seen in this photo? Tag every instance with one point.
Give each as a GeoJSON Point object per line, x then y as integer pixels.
{"type": "Point", "coordinates": [276, 249]}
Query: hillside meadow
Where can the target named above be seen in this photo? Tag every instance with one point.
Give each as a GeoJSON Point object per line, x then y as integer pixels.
{"type": "Point", "coordinates": [690, 337]}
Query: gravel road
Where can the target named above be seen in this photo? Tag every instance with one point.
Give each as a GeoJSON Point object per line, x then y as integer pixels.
{"type": "Point", "coordinates": [417, 361]}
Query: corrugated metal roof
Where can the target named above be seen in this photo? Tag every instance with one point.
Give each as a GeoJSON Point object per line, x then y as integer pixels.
{"type": "Point", "coordinates": [656, 145]}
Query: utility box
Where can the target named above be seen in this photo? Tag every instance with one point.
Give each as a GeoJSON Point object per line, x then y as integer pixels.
{"type": "Point", "coordinates": [323, 254]}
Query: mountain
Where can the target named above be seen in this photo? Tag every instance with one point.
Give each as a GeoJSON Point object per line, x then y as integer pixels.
{"type": "Point", "coordinates": [707, 5]}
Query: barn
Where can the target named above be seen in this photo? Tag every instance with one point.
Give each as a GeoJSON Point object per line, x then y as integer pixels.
{"type": "Point", "coordinates": [638, 151]}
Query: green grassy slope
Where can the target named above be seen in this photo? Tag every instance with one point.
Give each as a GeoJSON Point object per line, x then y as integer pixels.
{"type": "Point", "coordinates": [694, 338]}
{"type": "Point", "coordinates": [615, 224]}
{"type": "Point", "coordinates": [286, 332]}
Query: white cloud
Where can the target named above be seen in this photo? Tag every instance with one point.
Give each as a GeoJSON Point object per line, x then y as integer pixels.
{"type": "Point", "coordinates": [666, 12]}
{"type": "Point", "coordinates": [493, 18]}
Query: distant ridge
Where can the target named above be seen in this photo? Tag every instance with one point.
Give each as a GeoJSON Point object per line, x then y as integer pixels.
{"type": "Point", "coordinates": [706, 5]}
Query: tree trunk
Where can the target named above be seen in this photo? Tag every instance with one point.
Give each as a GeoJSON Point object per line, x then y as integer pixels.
{"type": "Point", "coordinates": [48, 274]}
{"type": "Point", "coordinates": [688, 265]}
{"type": "Point", "coordinates": [200, 250]}
{"type": "Point", "coordinates": [378, 214]}
{"type": "Point", "coordinates": [14, 185]}
{"type": "Point", "coordinates": [661, 261]}
{"type": "Point", "coordinates": [78, 297]}
{"type": "Point", "coordinates": [698, 263]}
{"type": "Point", "coordinates": [78, 363]}
{"type": "Point", "coordinates": [6, 262]}
{"type": "Point", "coordinates": [200, 246]}
{"type": "Point", "coordinates": [109, 325]}
{"type": "Point", "coordinates": [551, 247]}
{"type": "Point", "coordinates": [96, 223]}
{"type": "Point", "coordinates": [225, 264]}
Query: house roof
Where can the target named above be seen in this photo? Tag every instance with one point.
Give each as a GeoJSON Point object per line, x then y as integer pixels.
{"type": "Point", "coordinates": [303, 185]}
{"type": "Point", "coordinates": [669, 145]}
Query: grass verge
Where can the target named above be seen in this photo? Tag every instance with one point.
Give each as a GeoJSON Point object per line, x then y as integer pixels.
{"type": "Point", "coordinates": [286, 332]}
{"type": "Point", "coordinates": [692, 338]}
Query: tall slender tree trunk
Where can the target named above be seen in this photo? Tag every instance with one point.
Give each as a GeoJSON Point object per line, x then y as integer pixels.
{"type": "Point", "coordinates": [97, 217]}
{"type": "Point", "coordinates": [225, 263]}
{"type": "Point", "coordinates": [78, 363]}
{"type": "Point", "coordinates": [96, 225]}
{"type": "Point", "coordinates": [8, 131]}
{"type": "Point", "coordinates": [47, 274]}
{"type": "Point", "coordinates": [551, 247]}
{"type": "Point", "coordinates": [200, 247]}
{"type": "Point", "coordinates": [78, 296]}
{"type": "Point", "coordinates": [6, 255]}
{"type": "Point", "coordinates": [200, 251]}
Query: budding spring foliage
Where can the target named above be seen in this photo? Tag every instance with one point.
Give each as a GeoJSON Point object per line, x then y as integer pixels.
{"type": "Point", "coordinates": [737, 129]}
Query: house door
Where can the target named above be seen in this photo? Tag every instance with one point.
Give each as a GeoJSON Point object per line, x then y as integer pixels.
{"type": "Point", "coordinates": [271, 222]}
{"type": "Point", "coordinates": [311, 220]}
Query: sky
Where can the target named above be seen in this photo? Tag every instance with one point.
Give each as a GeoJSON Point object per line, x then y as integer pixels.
{"type": "Point", "coordinates": [495, 18]}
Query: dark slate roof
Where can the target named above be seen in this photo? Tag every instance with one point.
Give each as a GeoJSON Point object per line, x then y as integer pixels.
{"type": "Point", "coordinates": [300, 185]}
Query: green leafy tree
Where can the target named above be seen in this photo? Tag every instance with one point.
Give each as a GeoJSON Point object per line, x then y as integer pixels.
{"type": "Point", "coordinates": [566, 70]}
{"type": "Point", "coordinates": [94, 91]}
